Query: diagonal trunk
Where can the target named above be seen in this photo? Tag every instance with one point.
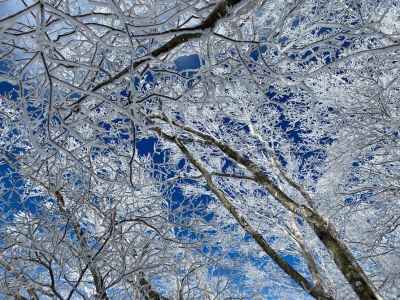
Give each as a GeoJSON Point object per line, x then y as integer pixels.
{"type": "Point", "coordinates": [325, 231]}
{"type": "Point", "coordinates": [315, 291]}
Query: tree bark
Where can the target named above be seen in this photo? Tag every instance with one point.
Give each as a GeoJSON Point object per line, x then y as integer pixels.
{"type": "Point", "coordinates": [315, 291]}
{"type": "Point", "coordinates": [325, 231]}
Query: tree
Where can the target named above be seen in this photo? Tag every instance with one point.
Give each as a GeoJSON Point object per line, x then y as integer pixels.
{"type": "Point", "coordinates": [156, 138]}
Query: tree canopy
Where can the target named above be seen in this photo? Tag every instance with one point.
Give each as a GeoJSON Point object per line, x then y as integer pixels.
{"type": "Point", "coordinates": [199, 149]}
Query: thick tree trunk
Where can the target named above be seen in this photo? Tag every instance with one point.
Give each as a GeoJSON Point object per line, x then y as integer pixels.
{"type": "Point", "coordinates": [315, 291]}
{"type": "Point", "coordinates": [325, 231]}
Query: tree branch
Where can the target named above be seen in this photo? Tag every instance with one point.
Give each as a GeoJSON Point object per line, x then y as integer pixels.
{"type": "Point", "coordinates": [314, 291]}
{"type": "Point", "coordinates": [220, 11]}
{"type": "Point", "coordinates": [325, 231]}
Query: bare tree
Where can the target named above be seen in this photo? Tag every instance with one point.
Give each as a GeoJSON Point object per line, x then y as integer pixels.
{"type": "Point", "coordinates": [273, 121]}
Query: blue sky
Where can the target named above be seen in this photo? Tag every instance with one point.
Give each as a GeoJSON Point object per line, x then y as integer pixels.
{"type": "Point", "coordinates": [182, 208]}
